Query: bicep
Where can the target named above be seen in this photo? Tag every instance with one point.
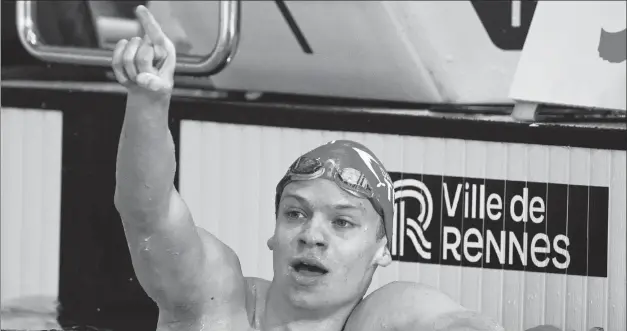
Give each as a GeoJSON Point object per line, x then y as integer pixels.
{"type": "Point", "coordinates": [180, 266]}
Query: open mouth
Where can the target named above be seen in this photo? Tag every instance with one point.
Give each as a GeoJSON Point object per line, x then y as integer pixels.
{"type": "Point", "coordinates": [309, 267]}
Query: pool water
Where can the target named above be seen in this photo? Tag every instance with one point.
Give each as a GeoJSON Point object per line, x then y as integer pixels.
{"type": "Point", "coordinates": [35, 313]}
{"type": "Point", "coordinates": [41, 313]}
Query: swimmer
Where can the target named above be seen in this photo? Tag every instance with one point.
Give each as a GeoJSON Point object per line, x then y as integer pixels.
{"type": "Point", "coordinates": [334, 210]}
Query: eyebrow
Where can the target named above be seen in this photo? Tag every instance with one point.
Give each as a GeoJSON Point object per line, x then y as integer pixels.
{"type": "Point", "coordinates": [337, 206]}
{"type": "Point", "coordinates": [343, 206]}
{"type": "Point", "coordinates": [296, 197]}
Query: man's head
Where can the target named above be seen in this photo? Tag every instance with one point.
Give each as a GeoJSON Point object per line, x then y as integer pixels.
{"type": "Point", "coordinates": [334, 210]}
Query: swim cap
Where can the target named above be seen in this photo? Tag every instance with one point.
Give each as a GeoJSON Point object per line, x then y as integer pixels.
{"type": "Point", "coordinates": [354, 168]}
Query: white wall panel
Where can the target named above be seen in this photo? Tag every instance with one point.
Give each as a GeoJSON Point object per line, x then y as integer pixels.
{"type": "Point", "coordinates": [556, 284]}
{"type": "Point", "coordinates": [30, 202]}
{"type": "Point", "coordinates": [471, 278]}
{"type": "Point", "coordinates": [228, 175]}
{"type": "Point", "coordinates": [578, 174]}
{"type": "Point", "coordinates": [493, 304]}
{"type": "Point", "coordinates": [616, 259]}
{"type": "Point", "coordinates": [537, 164]}
{"type": "Point", "coordinates": [597, 287]}
{"type": "Point", "coordinates": [512, 291]}
{"type": "Point", "coordinates": [454, 164]}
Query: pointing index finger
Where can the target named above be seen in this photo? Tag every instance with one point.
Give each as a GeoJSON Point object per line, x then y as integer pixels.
{"type": "Point", "coordinates": [150, 25]}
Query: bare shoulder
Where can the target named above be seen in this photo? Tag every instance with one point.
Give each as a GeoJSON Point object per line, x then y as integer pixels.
{"type": "Point", "coordinates": [414, 306]}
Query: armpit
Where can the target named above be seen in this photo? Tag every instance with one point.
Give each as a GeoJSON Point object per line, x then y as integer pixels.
{"type": "Point", "coordinates": [217, 251]}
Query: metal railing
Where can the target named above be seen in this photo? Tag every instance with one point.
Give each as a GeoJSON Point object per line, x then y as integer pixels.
{"type": "Point", "coordinates": [221, 55]}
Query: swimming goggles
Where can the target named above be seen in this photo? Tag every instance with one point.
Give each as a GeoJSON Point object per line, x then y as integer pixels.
{"type": "Point", "coordinates": [349, 179]}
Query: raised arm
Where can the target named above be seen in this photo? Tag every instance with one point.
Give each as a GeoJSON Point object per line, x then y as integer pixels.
{"type": "Point", "coordinates": [185, 270]}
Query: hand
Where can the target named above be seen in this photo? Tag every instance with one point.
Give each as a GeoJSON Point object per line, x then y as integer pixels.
{"type": "Point", "coordinates": [146, 64]}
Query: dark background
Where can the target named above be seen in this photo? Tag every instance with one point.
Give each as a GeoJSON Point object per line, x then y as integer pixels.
{"type": "Point", "coordinates": [580, 212]}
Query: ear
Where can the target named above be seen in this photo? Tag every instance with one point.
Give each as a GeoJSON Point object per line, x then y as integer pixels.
{"type": "Point", "coordinates": [383, 258]}
{"type": "Point", "coordinates": [271, 243]}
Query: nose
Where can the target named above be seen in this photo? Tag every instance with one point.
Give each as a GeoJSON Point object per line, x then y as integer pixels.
{"type": "Point", "coordinates": [313, 234]}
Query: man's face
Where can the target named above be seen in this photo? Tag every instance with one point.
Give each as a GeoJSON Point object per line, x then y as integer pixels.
{"type": "Point", "coordinates": [325, 247]}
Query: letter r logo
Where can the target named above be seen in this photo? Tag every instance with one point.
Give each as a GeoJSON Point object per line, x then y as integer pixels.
{"type": "Point", "coordinates": [412, 226]}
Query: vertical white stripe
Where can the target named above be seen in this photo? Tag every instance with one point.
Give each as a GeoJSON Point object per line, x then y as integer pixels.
{"type": "Point", "coordinates": [31, 202]}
